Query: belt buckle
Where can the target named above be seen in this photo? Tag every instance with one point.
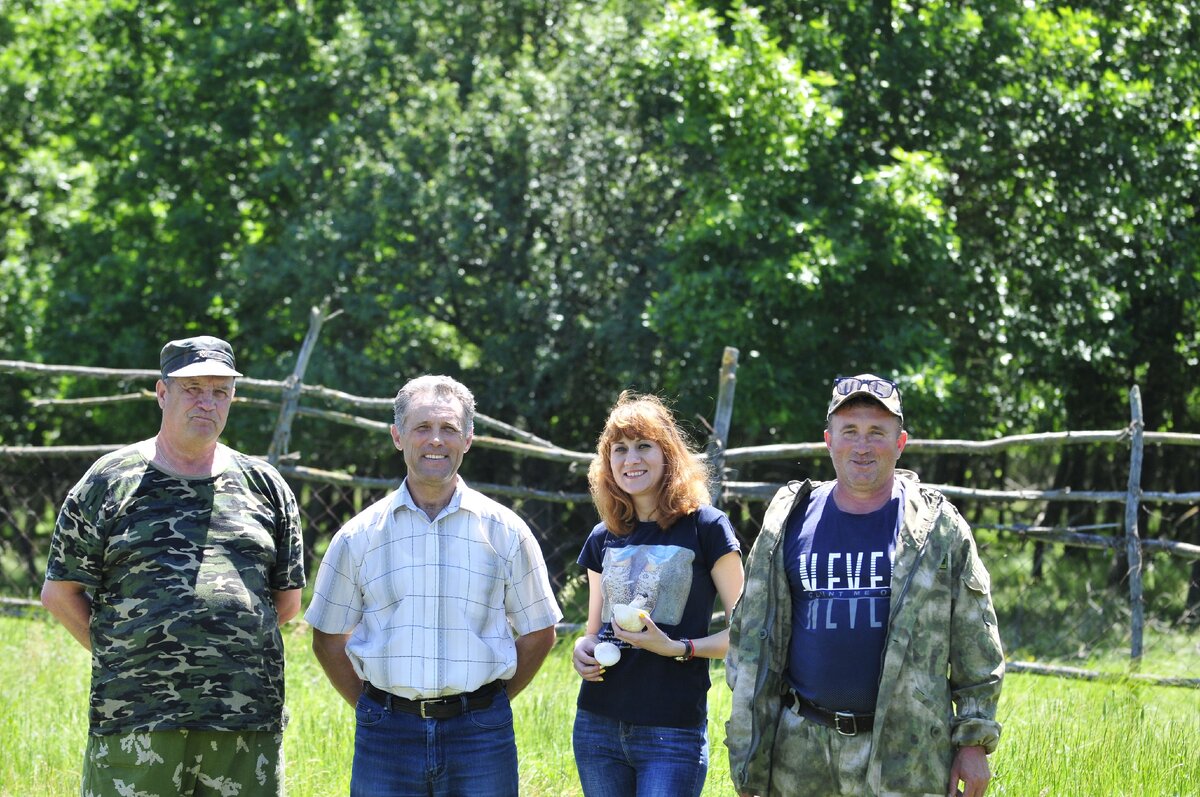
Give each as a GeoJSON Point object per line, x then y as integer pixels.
{"type": "Point", "coordinates": [424, 716]}
{"type": "Point", "coordinates": [838, 716]}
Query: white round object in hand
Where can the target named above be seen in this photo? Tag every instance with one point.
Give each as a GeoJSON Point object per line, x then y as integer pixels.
{"type": "Point", "coordinates": [607, 654]}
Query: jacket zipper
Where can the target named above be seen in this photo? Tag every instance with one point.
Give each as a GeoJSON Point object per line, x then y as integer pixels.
{"type": "Point", "coordinates": [768, 627]}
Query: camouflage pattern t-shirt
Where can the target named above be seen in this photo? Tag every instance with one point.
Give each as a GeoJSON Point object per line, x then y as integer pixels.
{"type": "Point", "coordinates": [180, 570]}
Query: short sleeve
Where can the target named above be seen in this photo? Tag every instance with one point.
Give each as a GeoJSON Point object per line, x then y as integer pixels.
{"type": "Point", "coordinates": [337, 605]}
{"type": "Point", "coordinates": [529, 601]}
{"type": "Point", "coordinates": [716, 533]}
{"type": "Point", "coordinates": [77, 547]}
{"type": "Point", "coordinates": [288, 572]}
{"type": "Point", "coordinates": [592, 555]}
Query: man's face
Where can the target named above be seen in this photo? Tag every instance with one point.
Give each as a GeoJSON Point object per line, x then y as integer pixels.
{"type": "Point", "coordinates": [195, 408]}
{"type": "Point", "coordinates": [864, 442]}
{"type": "Point", "coordinates": [433, 441]}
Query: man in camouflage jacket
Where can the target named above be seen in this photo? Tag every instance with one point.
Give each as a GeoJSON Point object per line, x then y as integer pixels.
{"type": "Point", "coordinates": [174, 561]}
{"type": "Point", "coordinates": [935, 713]}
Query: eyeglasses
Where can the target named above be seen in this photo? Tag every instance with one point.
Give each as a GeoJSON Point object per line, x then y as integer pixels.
{"type": "Point", "coordinates": [881, 388]}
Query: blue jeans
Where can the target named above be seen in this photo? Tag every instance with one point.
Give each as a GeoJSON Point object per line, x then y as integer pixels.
{"type": "Point", "coordinates": [402, 755]}
{"type": "Point", "coordinates": [619, 759]}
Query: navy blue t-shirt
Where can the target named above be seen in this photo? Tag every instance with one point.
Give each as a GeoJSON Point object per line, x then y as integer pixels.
{"type": "Point", "coordinates": [671, 570]}
{"type": "Point", "coordinates": [840, 572]}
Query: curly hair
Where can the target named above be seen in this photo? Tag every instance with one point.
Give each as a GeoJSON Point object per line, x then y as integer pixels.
{"type": "Point", "coordinates": [685, 477]}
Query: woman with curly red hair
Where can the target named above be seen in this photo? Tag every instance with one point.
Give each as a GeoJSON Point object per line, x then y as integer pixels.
{"type": "Point", "coordinates": [662, 554]}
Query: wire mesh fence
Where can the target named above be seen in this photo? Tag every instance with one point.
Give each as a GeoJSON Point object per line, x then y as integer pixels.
{"type": "Point", "coordinates": [31, 490]}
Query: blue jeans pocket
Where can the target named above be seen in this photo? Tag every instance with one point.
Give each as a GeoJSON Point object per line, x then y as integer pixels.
{"type": "Point", "coordinates": [367, 712]}
{"type": "Point", "coordinates": [496, 716]}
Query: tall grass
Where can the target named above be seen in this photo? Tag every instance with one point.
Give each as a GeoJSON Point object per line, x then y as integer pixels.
{"type": "Point", "coordinates": [1061, 738]}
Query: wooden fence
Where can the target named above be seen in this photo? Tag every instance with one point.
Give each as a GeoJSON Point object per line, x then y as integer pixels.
{"type": "Point", "coordinates": [290, 393]}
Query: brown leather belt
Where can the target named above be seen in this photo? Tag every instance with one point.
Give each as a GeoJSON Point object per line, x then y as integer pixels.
{"type": "Point", "coordinates": [436, 708]}
{"type": "Point", "coordinates": [847, 723]}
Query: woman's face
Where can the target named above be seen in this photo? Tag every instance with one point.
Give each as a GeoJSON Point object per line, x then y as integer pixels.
{"type": "Point", "coordinates": [637, 466]}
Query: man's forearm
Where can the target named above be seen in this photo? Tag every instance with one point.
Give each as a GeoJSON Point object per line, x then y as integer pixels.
{"type": "Point", "coordinates": [330, 650]}
{"type": "Point", "coordinates": [287, 604]}
{"type": "Point", "coordinates": [532, 649]}
{"type": "Point", "coordinates": [69, 603]}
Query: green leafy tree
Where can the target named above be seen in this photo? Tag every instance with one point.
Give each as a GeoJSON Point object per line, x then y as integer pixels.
{"type": "Point", "coordinates": [811, 262]}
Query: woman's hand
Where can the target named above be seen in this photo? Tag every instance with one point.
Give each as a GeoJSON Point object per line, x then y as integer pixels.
{"type": "Point", "coordinates": [651, 638]}
{"type": "Point", "coordinates": [585, 663]}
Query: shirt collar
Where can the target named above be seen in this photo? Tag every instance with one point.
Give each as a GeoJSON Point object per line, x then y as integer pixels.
{"type": "Point", "coordinates": [402, 499]}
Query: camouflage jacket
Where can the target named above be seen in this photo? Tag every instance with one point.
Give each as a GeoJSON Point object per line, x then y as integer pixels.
{"type": "Point", "coordinates": [180, 571]}
{"type": "Point", "coordinates": [941, 621]}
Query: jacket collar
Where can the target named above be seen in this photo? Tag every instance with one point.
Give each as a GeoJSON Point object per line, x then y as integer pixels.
{"type": "Point", "coordinates": [918, 511]}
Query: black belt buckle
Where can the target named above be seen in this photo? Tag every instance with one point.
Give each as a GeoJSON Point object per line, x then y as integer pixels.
{"type": "Point", "coordinates": [442, 707]}
{"type": "Point", "coordinates": [839, 717]}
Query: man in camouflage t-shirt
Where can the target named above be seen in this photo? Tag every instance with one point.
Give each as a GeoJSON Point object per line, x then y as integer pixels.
{"type": "Point", "coordinates": [175, 561]}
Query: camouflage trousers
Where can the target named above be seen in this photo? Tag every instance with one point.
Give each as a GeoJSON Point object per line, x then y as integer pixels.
{"type": "Point", "coordinates": [184, 763]}
{"type": "Point", "coordinates": [810, 760]}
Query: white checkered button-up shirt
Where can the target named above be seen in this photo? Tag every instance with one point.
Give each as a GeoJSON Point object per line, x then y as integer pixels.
{"type": "Point", "coordinates": [431, 606]}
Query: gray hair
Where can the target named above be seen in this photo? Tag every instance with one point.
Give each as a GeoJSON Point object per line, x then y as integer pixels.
{"type": "Point", "coordinates": [442, 387]}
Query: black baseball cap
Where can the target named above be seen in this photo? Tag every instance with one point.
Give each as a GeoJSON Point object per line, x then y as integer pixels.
{"type": "Point", "coordinates": [203, 355]}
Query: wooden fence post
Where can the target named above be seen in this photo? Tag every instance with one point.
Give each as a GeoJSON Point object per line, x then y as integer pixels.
{"type": "Point", "coordinates": [719, 439]}
{"type": "Point", "coordinates": [291, 388]}
{"type": "Point", "coordinates": [1133, 543]}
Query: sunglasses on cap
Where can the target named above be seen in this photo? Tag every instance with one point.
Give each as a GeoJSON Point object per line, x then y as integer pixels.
{"type": "Point", "coordinates": [881, 388]}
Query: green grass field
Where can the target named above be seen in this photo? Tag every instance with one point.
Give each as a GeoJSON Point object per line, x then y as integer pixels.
{"type": "Point", "coordinates": [1061, 738]}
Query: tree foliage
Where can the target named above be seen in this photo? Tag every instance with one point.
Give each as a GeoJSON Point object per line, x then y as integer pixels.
{"type": "Point", "coordinates": [994, 202]}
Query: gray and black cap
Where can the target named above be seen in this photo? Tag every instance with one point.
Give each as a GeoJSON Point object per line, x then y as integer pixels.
{"type": "Point", "coordinates": [203, 355]}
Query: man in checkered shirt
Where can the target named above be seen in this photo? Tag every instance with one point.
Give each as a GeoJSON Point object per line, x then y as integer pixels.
{"type": "Point", "coordinates": [431, 610]}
